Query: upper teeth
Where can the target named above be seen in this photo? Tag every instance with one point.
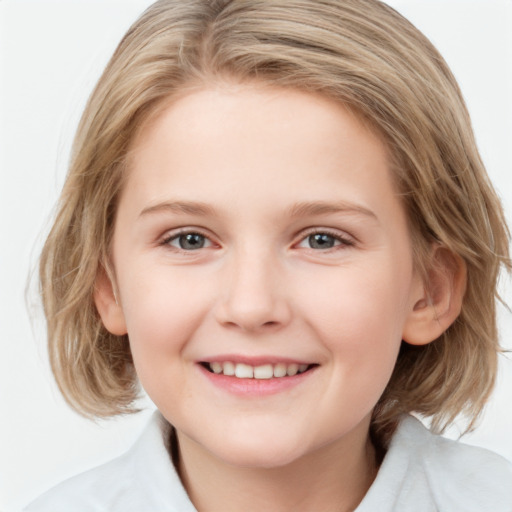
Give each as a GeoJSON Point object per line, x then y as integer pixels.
{"type": "Point", "coordinates": [265, 371]}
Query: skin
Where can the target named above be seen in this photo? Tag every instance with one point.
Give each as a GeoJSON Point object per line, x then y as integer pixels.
{"type": "Point", "coordinates": [259, 287]}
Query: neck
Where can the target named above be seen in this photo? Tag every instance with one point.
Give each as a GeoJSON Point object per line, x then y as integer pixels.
{"type": "Point", "coordinates": [334, 478]}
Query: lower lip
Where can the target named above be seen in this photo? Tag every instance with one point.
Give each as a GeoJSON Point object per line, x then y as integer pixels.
{"type": "Point", "coordinates": [255, 387]}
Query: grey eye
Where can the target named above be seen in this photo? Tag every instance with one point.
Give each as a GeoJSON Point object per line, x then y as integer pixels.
{"type": "Point", "coordinates": [189, 241]}
{"type": "Point", "coordinates": [322, 241]}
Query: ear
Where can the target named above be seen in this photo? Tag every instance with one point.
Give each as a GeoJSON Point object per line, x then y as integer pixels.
{"type": "Point", "coordinates": [109, 309]}
{"type": "Point", "coordinates": [437, 302]}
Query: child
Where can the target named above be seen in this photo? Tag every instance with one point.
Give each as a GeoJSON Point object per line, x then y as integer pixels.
{"type": "Point", "coordinates": [276, 220]}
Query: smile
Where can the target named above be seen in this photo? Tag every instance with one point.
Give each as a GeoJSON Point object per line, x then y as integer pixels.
{"type": "Point", "coordinates": [265, 371]}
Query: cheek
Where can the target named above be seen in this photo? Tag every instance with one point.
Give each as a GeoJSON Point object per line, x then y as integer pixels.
{"type": "Point", "coordinates": [358, 303]}
{"type": "Point", "coordinates": [359, 315]}
{"type": "Point", "coordinates": [161, 320]}
{"type": "Point", "coordinates": [162, 311]}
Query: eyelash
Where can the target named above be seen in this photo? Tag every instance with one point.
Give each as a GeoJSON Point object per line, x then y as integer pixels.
{"type": "Point", "coordinates": [344, 241]}
{"type": "Point", "coordinates": [175, 236]}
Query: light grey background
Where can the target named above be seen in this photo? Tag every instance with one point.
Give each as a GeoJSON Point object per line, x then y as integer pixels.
{"type": "Point", "coordinates": [51, 54]}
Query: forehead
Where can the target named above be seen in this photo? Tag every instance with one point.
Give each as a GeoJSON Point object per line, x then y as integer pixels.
{"type": "Point", "coordinates": [210, 109]}
{"type": "Point", "coordinates": [271, 142]}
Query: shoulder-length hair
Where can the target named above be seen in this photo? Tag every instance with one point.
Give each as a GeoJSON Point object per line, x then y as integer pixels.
{"type": "Point", "coordinates": [361, 53]}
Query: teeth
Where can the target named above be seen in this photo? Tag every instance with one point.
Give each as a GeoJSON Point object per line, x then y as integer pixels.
{"type": "Point", "coordinates": [279, 370]}
{"type": "Point", "coordinates": [216, 367]}
{"type": "Point", "coordinates": [229, 368]}
{"type": "Point", "coordinates": [244, 371]}
{"type": "Point", "coordinates": [292, 370]}
{"type": "Point", "coordinates": [263, 372]}
{"type": "Point", "coordinates": [266, 371]}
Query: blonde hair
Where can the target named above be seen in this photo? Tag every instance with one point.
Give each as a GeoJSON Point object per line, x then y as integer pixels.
{"type": "Point", "coordinates": [361, 53]}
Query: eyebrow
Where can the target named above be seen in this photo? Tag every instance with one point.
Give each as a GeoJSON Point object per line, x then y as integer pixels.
{"type": "Point", "coordinates": [301, 209]}
{"type": "Point", "coordinates": [186, 207]}
{"type": "Point", "coordinates": [325, 207]}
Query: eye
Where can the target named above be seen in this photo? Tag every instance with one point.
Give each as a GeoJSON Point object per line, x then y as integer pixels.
{"type": "Point", "coordinates": [321, 240]}
{"type": "Point", "coordinates": [189, 241]}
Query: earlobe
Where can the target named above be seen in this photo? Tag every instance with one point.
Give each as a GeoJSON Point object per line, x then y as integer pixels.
{"type": "Point", "coordinates": [107, 304]}
{"type": "Point", "coordinates": [438, 301]}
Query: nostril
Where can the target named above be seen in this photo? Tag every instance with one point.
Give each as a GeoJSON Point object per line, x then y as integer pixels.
{"type": "Point", "coordinates": [250, 312]}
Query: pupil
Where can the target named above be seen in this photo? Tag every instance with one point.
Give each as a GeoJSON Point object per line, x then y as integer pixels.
{"type": "Point", "coordinates": [191, 241]}
{"type": "Point", "coordinates": [321, 241]}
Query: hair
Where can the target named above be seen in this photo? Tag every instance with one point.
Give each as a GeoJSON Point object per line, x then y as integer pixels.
{"type": "Point", "coordinates": [361, 53]}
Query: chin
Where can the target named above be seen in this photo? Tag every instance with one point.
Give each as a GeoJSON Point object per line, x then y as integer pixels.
{"type": "Point", "coordinates": [260, 459]}
{"type": "Point", "coordinates": [257, 451]}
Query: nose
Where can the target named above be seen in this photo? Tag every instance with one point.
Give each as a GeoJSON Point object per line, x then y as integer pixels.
{"type": "Point", "coordinates": [254, 295]}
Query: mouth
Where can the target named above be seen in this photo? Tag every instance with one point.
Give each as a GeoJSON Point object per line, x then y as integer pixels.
{"type": "Point", "coordinates": [260, 372]}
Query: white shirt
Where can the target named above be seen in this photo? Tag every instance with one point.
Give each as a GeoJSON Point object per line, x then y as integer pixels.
{"type": "Point", "coordinates": [421, 472]}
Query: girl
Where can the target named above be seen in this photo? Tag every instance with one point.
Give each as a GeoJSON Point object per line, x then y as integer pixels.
{"type": "Point", "coordinates": [276, 220]}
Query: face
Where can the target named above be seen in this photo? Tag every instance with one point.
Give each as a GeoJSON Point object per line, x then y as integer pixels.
{"type": "Point", "coordinates": [264, 272]}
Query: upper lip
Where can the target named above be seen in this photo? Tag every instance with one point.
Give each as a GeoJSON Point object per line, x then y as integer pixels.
{"type": "Point", "coordinates": [254, 360]}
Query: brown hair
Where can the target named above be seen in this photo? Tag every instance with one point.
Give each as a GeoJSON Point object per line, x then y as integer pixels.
{"type": "Point", "coordinates": [361, 53]}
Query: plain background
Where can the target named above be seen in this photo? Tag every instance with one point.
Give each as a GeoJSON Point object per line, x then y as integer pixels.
{"type": "Point", "coordinates": [51, 54]}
